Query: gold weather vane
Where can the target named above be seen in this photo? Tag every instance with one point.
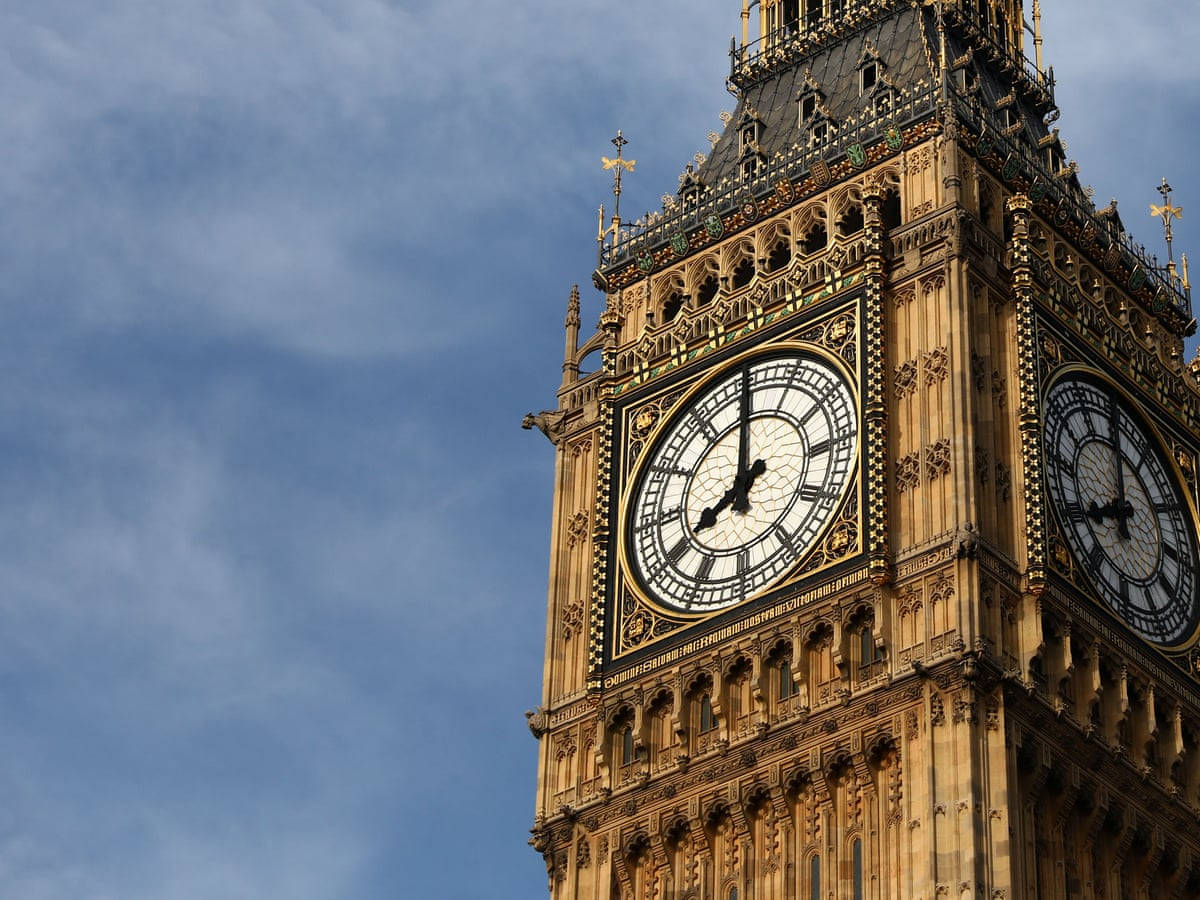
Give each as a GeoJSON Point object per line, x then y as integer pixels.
{"type": "Point", "coordinates": [620, 165]}
{"type": "Point", "coordinates": [1168, 213]}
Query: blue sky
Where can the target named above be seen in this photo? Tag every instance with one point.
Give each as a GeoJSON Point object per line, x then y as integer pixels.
{"type": "Point", "coordinates": [279, 281]}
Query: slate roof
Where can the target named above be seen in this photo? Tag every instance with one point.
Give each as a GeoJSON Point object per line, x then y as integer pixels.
{"type": "Point", "coordinates": [905, 43]}
{"type": "Point", "coordinates": [901, 43]}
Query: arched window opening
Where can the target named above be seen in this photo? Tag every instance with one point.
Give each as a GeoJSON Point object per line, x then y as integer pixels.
{"type": "Point", "coordinates": [780, 255]}
{"type": "Point", "coordinates": [808, 107]}
{"type": "Point", "coordinates": [1037, 673]}
{"type": "Point", "coordinates": [787, 681]}
{"type": "Point", "coordinates": [821, 672]}
{"type": "Point", "coordinates": [868, 78]}
{"type": "Point", "coordinates": [812, 14]}
{"type": "Point", "coordinates": [706, 291]}
{"type": "Point", "coordinates": [708, 722]}
{"type": "Point", "coordinates": [742, 273]}
{"type": "Point", "coordinates": [986, 205]}
{"type": "Point", "coordinates": [816, 240]}
{"type": "Point", "coordinates": [851, 221]}
{"type": "Point", "coordinates": [627, 756]}
{"type": "Point", "coordinates": [791, 15]}
{"type": "Point", "coordinates": [814, 877]}
{"type": "Point", "coordinates": [857, 855]}
{"type": "Point", "coordinates": [672, 306]}
{"type": "Point", "coordinates": [891, 210]}
{"type": "Point", "coordinates": [866, 651]}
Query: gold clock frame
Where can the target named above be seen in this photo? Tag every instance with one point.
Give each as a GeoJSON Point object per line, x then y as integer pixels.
{"type": "Point", "coordinates": [832, 543]}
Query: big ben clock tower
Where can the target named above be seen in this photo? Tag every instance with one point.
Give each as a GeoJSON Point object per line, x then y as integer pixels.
{"type": "Point", "coordinates": [875, 569]}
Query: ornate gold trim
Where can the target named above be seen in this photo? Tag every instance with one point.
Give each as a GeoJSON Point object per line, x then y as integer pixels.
{"type": "Point", "coordinates": [655, 622]}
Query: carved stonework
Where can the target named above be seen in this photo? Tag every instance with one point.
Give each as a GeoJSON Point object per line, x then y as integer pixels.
{"type": "Point", "coordinates": [905, 379]}
{"type": "Point", "coordinates": [937, 710]}
{"type": "Point", "coordinates": [908, 473]}
{"type": "Point", "coordinates": [936, 366]}
{"type": "Point", "coordinates": [572, 619]}
{"type": "Point", "coordinates": [933, 615]}
{"type": "Point", "coordinates": [982, 469]}
{"type": "Point", "coordinates": [978, 371]}
{"type": "Point", "coordinates": [937, 459]}
{"type": "Point", "coordinates": [577, 528]}
{"type": "Point", "coordinates": [1003, 481]}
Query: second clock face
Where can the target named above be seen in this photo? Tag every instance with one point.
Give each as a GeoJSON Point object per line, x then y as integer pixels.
{"type": "Point", "coordinates": [1122, 510]}
{"type": "Point", "coordinates": [742, 482]}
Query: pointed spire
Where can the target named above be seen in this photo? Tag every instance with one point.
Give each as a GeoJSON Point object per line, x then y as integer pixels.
{"type": "Point", "coordinates": [573, 308]}
{"type": "Point", "coordinates": [571, 350]}
{"type": "Point", "coordinates": [1037, 34]}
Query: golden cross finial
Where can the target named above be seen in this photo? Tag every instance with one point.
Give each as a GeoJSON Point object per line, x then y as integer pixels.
{"type": "Point", "coordinates": [1167, 213]}
{"type": "Point", "coordinates": [620, 165]}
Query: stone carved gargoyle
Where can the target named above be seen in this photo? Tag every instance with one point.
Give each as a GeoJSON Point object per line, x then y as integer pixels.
{"type": "Point", "coordinates": [548, 422]}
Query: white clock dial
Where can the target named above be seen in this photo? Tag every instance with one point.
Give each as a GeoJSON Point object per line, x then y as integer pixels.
{"type": "Point", "coordinates": [742, 481]}
{"type": "Point", "coordinates": [1123, 512]}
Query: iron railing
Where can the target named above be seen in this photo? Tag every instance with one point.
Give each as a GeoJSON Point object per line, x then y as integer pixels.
{"type": "Point", "coordinates": [684, 216]}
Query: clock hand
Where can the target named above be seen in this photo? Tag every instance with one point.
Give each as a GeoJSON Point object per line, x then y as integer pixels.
{"type": "Point", "coordinates": [748, 479]}
{"type": "Point", "coordinates": [1122, 508]}
{"type": "Point", "coordinates": [708, 518]}
{"type": "Point", "coordinates": [738, 493]}
{"type": "Point", "coordinates": [740, 501]}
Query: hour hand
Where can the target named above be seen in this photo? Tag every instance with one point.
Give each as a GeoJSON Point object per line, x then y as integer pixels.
{"type": "Point", "coordinates": [745, 481]}
{"type": "Point", "coordinates": [1119, 509]}
{"type": "Point", "coordinates": [708, 518]}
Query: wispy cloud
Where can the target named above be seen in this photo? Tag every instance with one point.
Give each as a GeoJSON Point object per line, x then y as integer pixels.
{"type": "Point", "coordinates": [279, 280]}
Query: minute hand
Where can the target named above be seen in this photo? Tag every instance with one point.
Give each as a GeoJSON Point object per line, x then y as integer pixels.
{"type": "Point", "coordinates": [741, 500]}
{"type": "Point", "coordinates": [1114, 427]}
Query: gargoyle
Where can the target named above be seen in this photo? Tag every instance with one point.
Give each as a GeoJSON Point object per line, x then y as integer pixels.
{"type": "Point", "coordinates": [548, 422]}
{"type": "Point", "coordinates": [539, 722]}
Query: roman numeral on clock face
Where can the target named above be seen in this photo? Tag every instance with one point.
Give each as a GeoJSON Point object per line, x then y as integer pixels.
{"type": "Point", "coordinates": [811, 492]}
{"type": "Point", "coordinates": [750, 465]}
{"type": "Point", "coordinates": [1074, 511]}
{"type": "Point", "coordinates": [1125, 515]}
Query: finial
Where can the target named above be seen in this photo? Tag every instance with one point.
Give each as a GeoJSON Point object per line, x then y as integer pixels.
{"type": "Point", "coordinates": [1037, 35]}
{"type": "Point", "coordinates": [573, 307]}
{"type": "Point", "coordinates": [1167, 213]}
{"type": "Point", "coordinates": [620, 165]}
{"type": "Point", "coordinates": [571, 349]}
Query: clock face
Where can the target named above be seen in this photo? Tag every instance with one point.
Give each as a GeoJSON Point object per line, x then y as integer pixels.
{"type": "Point", "coordinates": [1124, 513]}
{"type": "Point", "coordinates": [741, 482]}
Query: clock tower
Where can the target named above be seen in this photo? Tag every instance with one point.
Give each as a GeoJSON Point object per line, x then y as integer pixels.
{"type": "Point", "coordinates": [875, 568]}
